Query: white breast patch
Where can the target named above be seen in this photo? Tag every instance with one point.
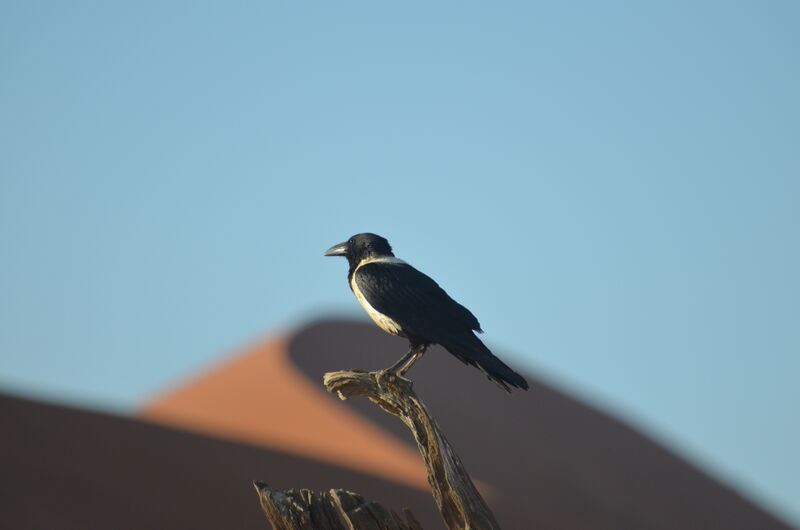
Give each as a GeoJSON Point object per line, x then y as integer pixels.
{"type": "Point", "coordinates": [385, 323]}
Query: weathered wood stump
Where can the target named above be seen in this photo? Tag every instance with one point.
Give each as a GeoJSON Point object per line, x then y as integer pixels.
{"type": "Point", "coordinates": [459, 502]}
{"type": "Point", "coordinates": [332, 510]}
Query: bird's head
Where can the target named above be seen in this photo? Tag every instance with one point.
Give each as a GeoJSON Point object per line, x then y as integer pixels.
{"type": "Point", "coordinates": [360, 247]}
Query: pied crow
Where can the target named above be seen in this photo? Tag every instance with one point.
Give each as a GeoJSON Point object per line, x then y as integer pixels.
{"type": "Point", "coordinates": [405, 302]}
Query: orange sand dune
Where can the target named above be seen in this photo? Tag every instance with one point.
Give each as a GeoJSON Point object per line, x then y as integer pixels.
{"type": "Point", "coordinates": [260, 398]}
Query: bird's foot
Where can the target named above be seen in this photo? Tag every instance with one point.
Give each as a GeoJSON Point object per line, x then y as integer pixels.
{"type": "Point", "coordinates": [393, 376]}
{"type": "Point", "coordinates": [402, 376]}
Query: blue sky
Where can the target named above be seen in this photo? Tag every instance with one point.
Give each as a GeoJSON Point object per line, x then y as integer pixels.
{"type": "Point", "coordinates": [612, 188]}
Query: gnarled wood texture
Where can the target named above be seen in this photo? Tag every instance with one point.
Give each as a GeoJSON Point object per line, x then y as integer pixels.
{"type": "Point", "coordinates": [460, 504]}
{"type": "Point", "coordinates": [333, 510]}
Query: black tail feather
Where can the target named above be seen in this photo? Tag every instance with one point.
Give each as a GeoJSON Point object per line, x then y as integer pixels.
{"type": "Point", "coordinates": [469, 349]}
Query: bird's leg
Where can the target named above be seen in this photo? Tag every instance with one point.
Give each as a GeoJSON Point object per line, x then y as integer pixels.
{"type": "Point", "coordinates": [404, 359]}
{"type": "Point", "coordinates": [407, 361]}
{"type": "Point", "coordinates": [416, 354]}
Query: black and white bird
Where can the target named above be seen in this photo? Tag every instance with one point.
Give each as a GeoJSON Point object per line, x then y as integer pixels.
{"type": "Point", "coordinates": [405, 302]}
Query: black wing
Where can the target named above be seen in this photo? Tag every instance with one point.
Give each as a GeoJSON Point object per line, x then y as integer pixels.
{"type": "Point", "coordinates": [426, 313]}
{"type": "Point", "coordinates": [413, 300]}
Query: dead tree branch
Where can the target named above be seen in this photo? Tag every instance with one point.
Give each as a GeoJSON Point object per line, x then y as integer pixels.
{"type": "Point", "coordinates": [333, 510]}
{"type": "Point", "coordinates": [460, 504]}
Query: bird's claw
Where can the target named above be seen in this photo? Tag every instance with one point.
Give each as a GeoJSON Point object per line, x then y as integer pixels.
{"type": "Point", "coordinates": [400, 374]}
{"type": "Point", "coordinates": [390, 376]}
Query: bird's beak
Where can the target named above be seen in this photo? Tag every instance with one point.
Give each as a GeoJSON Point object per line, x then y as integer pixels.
{"type": "Point", "coordinates": [337, 250]}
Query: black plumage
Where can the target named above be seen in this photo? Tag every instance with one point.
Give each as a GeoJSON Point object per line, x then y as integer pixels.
{"type": "Point", "coordinates": [405, 302]}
